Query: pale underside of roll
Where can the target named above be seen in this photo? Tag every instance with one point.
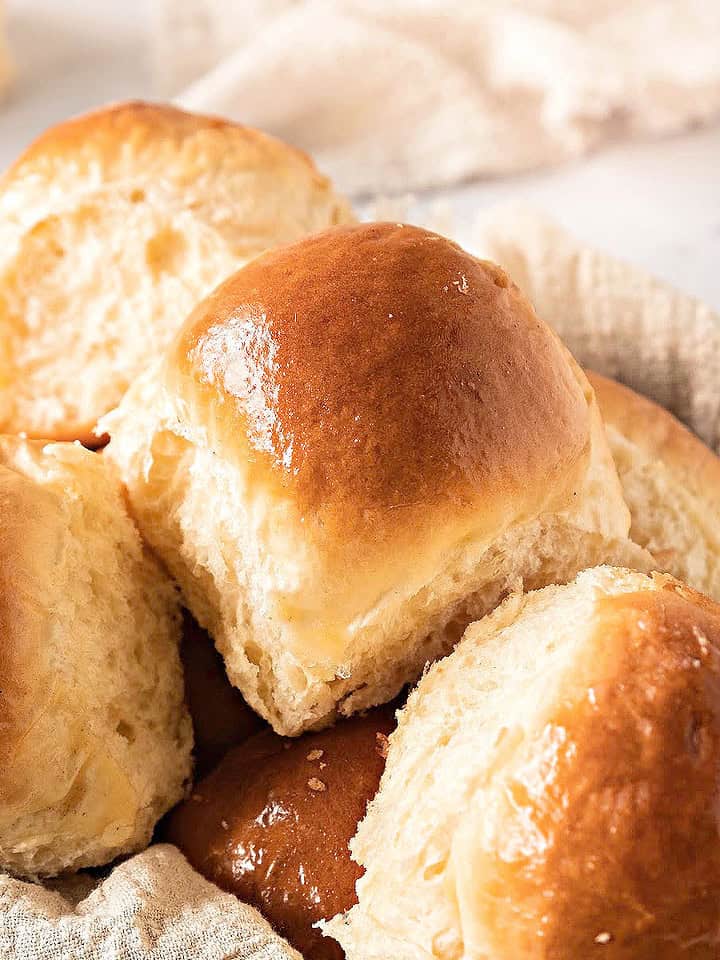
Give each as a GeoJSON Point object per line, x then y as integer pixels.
{"type": "Point", "coordinates": [96, 740]}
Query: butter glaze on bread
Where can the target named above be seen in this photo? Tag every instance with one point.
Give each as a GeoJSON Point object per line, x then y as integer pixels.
{"type": "Point", "coordinates": [671, 483]}
{"type": "Point", "coordinates": [273, 821]}
{"type": "Point", "coordinates": [95, 740]}
{"type": "Point", "coordinates": [356, 445]}
{"type": "Point", "coordinates": [318, 360]}
{"type": "Point", "coordinates": [551, 791]}
{"type": "Point", "coordinates": [112, 226]}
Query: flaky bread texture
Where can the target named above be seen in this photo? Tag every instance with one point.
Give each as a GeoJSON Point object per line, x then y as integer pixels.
{"type": "Point", "coordinates": [551, 789]}
{"type": "Point", "coordinates": [671, 483]}
{"type": "Point", "coordinates": [437, 446]}
{"type": "Point", "coordinates": [112, 226]}
{"type": "Point", "coordinates": [96, 742]}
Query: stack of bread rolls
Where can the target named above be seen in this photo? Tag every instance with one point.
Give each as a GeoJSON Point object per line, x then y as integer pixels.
{"type": "Point", "coordinates": [361, 454]}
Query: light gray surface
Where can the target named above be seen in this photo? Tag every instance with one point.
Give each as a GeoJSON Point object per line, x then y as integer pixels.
{"type": "Point", "coordinates": [70, 55]}
{"type": "Point", "coordinates": [655, 204]}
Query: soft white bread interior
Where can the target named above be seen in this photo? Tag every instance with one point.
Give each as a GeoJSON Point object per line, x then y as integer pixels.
{"type": "Point", "coordinates": [96, 741]}
{"type": "Point", "coordinates": [671, 483]}
{"type": "Point", "coordinates": [357, 445]}
{"type": "Point", "coordinates": [551, 791]}
{"type": "Point", "coordinates": [112, 226]}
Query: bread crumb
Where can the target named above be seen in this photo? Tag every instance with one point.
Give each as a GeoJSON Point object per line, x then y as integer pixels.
{"type": "Point", "coordinates": [317, 785]}
{"type": "Point", "coordinates": [382, 745]}
{"type": "Point", "coordinates": [314, 755]}
{"type": "Point", "coordinates": [701, 639]}
{"type": "Point", "coordinates": [224, 824]}
{"type": "Point", "coordinates": [603, 938]}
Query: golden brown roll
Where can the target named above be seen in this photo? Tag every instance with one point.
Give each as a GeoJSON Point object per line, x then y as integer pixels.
{"type": "Point", "coordinates": [112, 226]}
{"type": "Point", "coordinates": [671, 483]}
{"type": "Point", "coordinates": [272, 824]}
{"type": "Point", "coordinates": [95, 741]}
{"type": "Point", "coordinates": [551, 791]}
{"type": "Point", "coordinates": [355, 446]}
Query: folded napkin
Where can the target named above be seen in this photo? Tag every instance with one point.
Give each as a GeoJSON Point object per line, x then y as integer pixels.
{"type": "Point", "coordinates": [416, 93]}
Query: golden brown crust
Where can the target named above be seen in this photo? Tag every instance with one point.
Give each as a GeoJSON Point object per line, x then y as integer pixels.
{"type": "Point", "coordinates": [375, 370]}
{"type": "Point", "coordinates": [179, 200]}
{"type": "Point", "coordinates": [116, 136]}
{"type": "Point", "coordinates": [612, 838]}
{"type": "Point", "coordinates": [660, 436]}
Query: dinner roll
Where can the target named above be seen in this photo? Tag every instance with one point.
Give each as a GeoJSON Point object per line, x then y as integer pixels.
{"type": "Point", "coordinates": [551, 791]}
{"type": "Point", "coordinates": [355, 446]}
{"type": "Point", "coordinates": [95, 742]}
{"type": "Point", "coordinates": [671, 482]}
{"type": "Point", "coordinates": [112, 226]}
{"type": "Point", "coordinates": [273, 822]}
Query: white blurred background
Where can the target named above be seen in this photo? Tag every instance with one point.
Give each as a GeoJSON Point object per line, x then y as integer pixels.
{"type": "Point", "coordinates": [654, 201]}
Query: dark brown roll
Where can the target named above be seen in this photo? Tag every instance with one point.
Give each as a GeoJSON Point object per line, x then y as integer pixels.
{"type": "Point", "coordinates": [221, 718]}
{"type": "Point", "coordinates": [273, 822]}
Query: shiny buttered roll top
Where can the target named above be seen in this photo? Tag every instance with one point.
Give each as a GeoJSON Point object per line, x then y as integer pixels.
{"type": "Point", "coordinates": [273, 822]}
{"type": "Point", "coordinates": [370, 372]}
{"type": "Point", "coordinates": [355, 441]}
{"type": "Point", "coordinates": [394, 394]}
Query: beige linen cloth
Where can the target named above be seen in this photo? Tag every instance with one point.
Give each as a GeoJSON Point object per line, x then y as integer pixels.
{"type": "Point", "coordinates": [617, 320]}
{"type": "Point", "coordinates": [152, 907]}
{"type": "Point", "coordinates": [391, 95]}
